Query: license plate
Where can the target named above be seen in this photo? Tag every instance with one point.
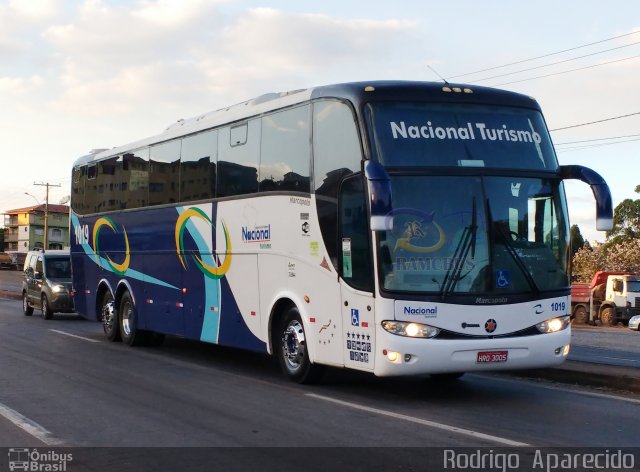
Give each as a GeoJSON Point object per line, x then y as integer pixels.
{"type": "Point", "coordinates": [489, 357]}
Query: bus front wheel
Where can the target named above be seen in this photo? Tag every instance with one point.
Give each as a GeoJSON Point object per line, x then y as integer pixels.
{"type": "Point", "coordinates": [292, 350]}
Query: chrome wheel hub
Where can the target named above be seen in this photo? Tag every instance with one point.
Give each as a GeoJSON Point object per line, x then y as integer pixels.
{"type": "Point", "coordinates": [293, 345]}
{"type": "Point", "coordinates": [108, 316]}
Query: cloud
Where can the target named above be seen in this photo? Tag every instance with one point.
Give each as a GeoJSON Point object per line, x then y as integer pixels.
{"type": "Point", "coordinates": [179, 54]}
{"type": "Point", "coordinates": [19, 85]}
{"type": "Point", "coordinates": [34, 10]}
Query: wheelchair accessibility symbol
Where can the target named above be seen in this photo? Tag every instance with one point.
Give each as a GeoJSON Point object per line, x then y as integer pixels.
{"type": "Point", "coordinates": [355, 317]}
{"type": "Point", "coordinates": [503, 279]}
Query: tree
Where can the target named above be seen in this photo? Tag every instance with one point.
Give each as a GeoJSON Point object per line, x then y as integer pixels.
{"type": "Point", "coordinates": [577, 241]}
{"type": "Point", "coordinates": [586, 262]}
{"type": "Point", "coordinates": [626, 221]}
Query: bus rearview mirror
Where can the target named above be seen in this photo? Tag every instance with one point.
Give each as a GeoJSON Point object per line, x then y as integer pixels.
{"type": "Point", "coordinates": [600, 189]}
{"type": "Point", "coordinates": [379, 188]}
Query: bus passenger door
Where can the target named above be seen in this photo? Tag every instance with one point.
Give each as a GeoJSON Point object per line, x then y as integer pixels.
{"type": "Point", "coordinates": [356, 281]}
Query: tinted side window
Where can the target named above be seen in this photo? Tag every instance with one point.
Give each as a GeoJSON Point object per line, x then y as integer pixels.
{"type": "Point", "coordinates": [336, 154]}
{"type": "Point", "coordinates": [91, 191]}
{"type": "Point", "coordinates": [135, 179]}
{"type": "Point", "coordinates": [198, 166]}
{"type": "Point", "coordinates": [238, 159]}
{"type": "Point", "coordinates": [78, 180]}
{"type": "Point", "coordinates": [108, 184]}
{"type": "Point", "coordinates": [164, 173]}
{"type": "Point", "coordinates": [286, 150]}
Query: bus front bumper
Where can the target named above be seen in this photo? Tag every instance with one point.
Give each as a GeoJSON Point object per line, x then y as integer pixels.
{"type": "Point", "coordinates": [398, 355]}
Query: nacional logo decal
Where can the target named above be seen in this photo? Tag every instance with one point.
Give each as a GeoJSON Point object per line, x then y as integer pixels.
{"type": "Point", "coordinates": [121, 268]}
{"type": "Point", "coordinates": [208, 270]}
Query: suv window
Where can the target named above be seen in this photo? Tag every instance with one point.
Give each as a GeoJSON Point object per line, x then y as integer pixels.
{"type": "Point", "coordinates": [57, 267]}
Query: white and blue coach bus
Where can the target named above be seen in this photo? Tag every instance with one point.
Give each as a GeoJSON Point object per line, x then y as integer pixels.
{"type": "Point", "coordinates": [399, 228]}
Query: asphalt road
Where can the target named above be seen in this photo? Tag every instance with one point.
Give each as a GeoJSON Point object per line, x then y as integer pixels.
{"type": "Point", "coordinates": [617, 346]}
{"type": "Point", "coordinates": [63, 385]}
{"type": "Point", "coordinates": [84, 391]}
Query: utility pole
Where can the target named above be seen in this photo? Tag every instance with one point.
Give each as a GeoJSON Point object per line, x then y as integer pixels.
{"type": "Point", "coordinates": [46, 212]}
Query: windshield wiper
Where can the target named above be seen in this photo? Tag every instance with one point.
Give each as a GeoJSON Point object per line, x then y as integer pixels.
{"type": "Point", "coordinates": [466, 244]}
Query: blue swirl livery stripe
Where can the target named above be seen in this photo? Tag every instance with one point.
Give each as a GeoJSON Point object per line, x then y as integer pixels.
{"type": "Point", "coordinates": [104, 263]}
{"type": "Point", "coordinates": [211, 318]}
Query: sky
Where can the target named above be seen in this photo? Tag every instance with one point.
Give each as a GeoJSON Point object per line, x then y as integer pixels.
{"type": "Point", "coordinates": [80, 75]}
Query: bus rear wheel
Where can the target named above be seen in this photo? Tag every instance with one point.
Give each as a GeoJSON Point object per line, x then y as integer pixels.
{"type": "Point", "coordinates": [109, 317]}
{"type": "Point", "coordinates": [127, 321]}
{"type": "Point", "coordinates": [292, 350]}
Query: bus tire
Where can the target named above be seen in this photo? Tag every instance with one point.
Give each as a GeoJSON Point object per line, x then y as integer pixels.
{"type": "Point", "coordinates": [109, 317]}
{"type": "Point", "coordinates": [27, 309]}
{"type": "Point", "coordinates": [607, 317]}
{"type": "Point", "coordinates": [580, 315]}
{"type": "Point", "coordinates": [292, 352]}
{"type": "Point", "coordinates": [127, 321]}
{"type": "Point", "coordinates": [47, 312]}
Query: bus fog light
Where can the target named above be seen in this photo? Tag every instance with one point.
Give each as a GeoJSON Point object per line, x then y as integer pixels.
{"type": "Point", "coordinates": [409, 329]}
{"type": "Point", "coordinates": [553, 325]}
{"type": "Point", "coordinates": [392, 356]}
{"type": "Point", "coordinates": [407, 357]}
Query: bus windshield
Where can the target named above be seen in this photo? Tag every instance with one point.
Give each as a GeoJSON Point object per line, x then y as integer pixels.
{"type": "Point", "coordinates": [474, 235]}
{"type": "Point", "coordinates": [421, 134]}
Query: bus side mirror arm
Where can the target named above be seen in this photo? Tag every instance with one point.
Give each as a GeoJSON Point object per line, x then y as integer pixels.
{"type": "Point", "coordinates": [379, 189]}
{"type": "Point", "coordinates": [600, 189]}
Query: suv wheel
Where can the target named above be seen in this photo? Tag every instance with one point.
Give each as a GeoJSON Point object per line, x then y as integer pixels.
{"type": "Point", "coordinates": [47, 313]}
{"type": "Point", "coordinates": [26, 308]}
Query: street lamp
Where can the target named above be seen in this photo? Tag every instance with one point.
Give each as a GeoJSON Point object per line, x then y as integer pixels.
{"type": "Point", "coordinates": [37, 201]}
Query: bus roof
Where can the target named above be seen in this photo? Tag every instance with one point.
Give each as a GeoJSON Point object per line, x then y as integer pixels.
{"type": "Point", "coordinates": [356, 92]}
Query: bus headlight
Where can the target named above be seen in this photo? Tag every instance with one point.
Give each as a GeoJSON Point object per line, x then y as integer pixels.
{"type": "Point", "coordinates": [553, 325]}
{"type": "Point", "coordinates": [410, 329]}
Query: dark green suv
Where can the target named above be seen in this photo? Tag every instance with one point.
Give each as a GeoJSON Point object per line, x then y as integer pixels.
{"type": "Point", "coordinates": [47, 283]}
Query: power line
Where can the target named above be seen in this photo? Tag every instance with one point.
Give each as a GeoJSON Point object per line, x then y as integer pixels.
{"type": "Point", "coordinates": [596, 139]}
{"type": "Point", "coordinates": [597, 121]}
{"type": "Point", "coordinates": [555, 63]}
{"type": "Point", "coordinates": [543, 56]}
{"type": "Point", "coordinates": [567, 71]}
{"type": "Point", "coordinates": [575, 148]}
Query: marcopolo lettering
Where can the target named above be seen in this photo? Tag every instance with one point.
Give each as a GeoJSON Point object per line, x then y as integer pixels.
{"type": "Point", "coordinates": [412, 310]}
{"type": "Point", "coordinates": [257, 234]}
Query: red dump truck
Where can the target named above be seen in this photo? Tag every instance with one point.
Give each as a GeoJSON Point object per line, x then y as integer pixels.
{"type": "Point", "coordinates": [611, 297]}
